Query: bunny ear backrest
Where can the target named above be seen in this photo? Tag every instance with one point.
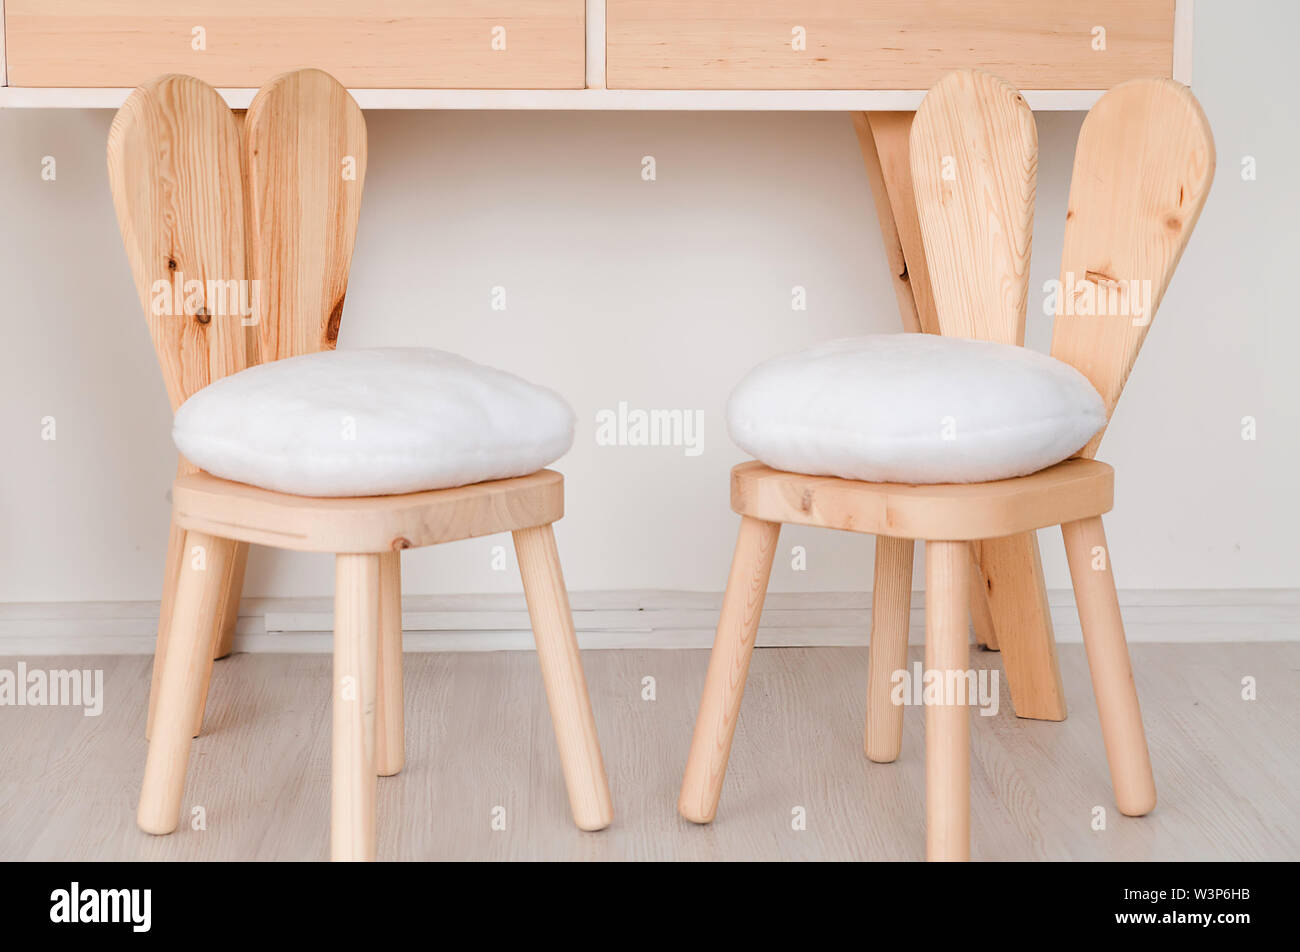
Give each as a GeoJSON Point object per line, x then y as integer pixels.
{"type": "Point", "coordinates": [305, 152]}
{"type": "Point", "coordinates": [974, 158]}
{"type": "Point", "coordinates": [174, 170]}
{"type": "Point", "coordinates": [1142, 171]}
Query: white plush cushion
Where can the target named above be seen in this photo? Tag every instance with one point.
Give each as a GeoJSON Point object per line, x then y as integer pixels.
{"type": "Point", "coordinates": [419, 419]}
{"type": "Point", "coordinates": [876, 408]}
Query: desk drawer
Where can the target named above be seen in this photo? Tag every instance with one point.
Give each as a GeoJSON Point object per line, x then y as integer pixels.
{"type": "Point", "coordinates": [381, 44]}
{"type": "Point", "coordinates": [883, 44]}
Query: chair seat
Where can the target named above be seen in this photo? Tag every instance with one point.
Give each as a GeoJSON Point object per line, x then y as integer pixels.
{"type": "Point", "coordinates": [372, 423]}
{"type": "Point", "coordinates": [914, 408]}
{"type": "Point", "coordinates": [365, 524]}
{"type": "Point", "coordinates": [1069, 491]}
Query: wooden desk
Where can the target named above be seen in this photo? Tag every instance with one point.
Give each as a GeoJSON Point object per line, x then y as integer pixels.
{"type": "Point", "coordinates": [648, 54]}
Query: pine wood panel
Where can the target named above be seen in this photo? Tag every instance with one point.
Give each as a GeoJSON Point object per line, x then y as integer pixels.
{"type": "Point", "coordinates": [368, 523]}
{"type": "Point", "coordinates": [974, 157]}
{"type": "Point", "coordinates": [305, 142]}
{"type": "Point", "coordinates": [1071, 490]}
{"type": "Point", "coordinates": [1142, 171]}
{"type": "Point", "coordinates": [421, 44]}
{"type": "Point", "coordinates": [882, 44]}
{"type": "Point", "coordinates": [174, 169]}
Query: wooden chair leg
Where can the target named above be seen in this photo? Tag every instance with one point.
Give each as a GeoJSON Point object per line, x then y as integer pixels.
{"type": "Point", "coordinates": [1022, 618]}
{"type": "Point", "coordinates": [947, 725]}
{"type": "Point", "coordinates": [1112, 671]}
{"type": "Point", "coordinates": [356, 660]}
{"type": "Point", "coordinates": [891, 610]}
{"type": "Point", "coordinates": [171, 579]}
{"type": "Point", "coordinates": [724, 685]}
{"type": "Point", "coordinates": [566, 687]}
{"type": "Point", "coordinates": [390, 754]}
{"type": "Point", "coordinates": [186, 664]}
{"type": "Point", "coordinates": [223, 622]}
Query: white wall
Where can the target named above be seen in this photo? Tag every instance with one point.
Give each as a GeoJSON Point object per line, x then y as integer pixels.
{"type": "Point", "coordinates": [662, 295]}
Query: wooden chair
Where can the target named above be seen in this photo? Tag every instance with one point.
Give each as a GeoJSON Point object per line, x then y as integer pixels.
{"type": "Point", "coordinates": [181, 180]}
{"type": "Point", "coordinates": [1142, 171]}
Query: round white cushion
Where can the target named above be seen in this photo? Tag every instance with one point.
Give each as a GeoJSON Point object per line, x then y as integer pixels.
{"type": "Point", "coordinates": [372, 423]}
{"type": "Point", "coordinates": [914, 408]}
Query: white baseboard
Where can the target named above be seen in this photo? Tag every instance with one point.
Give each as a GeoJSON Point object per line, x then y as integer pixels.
{"type": "Point", "coordinates": [627, 619]}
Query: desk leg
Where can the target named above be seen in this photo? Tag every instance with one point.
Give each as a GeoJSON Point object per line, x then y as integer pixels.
{"type": "Point", "coordinates": [1017, 597]}
{"type": "Point", "coordinates": [1012, 570]}
{"type": "Point", "coordinates": [981, 614]}
{"type": "Point", "coordinates": [882, 136]}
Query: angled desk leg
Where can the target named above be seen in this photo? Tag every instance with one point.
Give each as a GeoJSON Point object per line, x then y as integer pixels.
{"type": "Point", "coordinates": [1009, 607]}
{"type": "Point", "coordinates": [981, 612]}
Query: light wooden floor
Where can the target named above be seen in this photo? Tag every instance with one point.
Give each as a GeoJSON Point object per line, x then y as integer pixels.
{"type": "Point", "coordinates": [479, 737]}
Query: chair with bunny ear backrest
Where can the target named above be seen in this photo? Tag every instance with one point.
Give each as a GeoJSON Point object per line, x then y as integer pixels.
{"type": "Point", "coordinates": [1143, 166]}
{"type": "Point", "coordinates": [175, 170]}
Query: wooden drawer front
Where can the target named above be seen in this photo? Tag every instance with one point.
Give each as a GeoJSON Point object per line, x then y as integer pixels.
{"type": "Point", "coordinates": [883, 44]}
{"type": "Point", "coordinates": [378, 43]}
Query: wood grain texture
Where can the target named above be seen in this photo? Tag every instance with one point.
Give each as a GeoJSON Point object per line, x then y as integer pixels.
{"type": "Point", "coordinates": [1017, 598]}
{"type": "Point", "coordinates": [947, 721]}
{"type": "Point", "coordinates": [891, 610]}
{"type": "Point", "coordinates": [966, 511]}
{"type": "Point", "coordinates": [884, 140]}
{"type": "Point", "coordinates": [353, 771]}
{"type": "Point", "coordinates": [368, 523]}
{"type": "Point", "coordinates": [882, 44]}
{"type": "Point", "coordinates": [390, 719]}
{"type": "Point", "coordinates": [174, 169]}
{"type": "Point", "coordinates": [724, 684]}
{"type": "Point", "coordinates": [184, 680]}
{"type": "Point", "coordinates": [981, 613]}
{"type": "Point", "coordinates": [167, 605]}
{"type": "Point", "coordinates": [228, 617]}
{"type": "Point", "coordinates": [1112, 671]}
{"type": "Point", "coordinates": [566, 686]}
{"type": "Point", "coordinates": [178, 193]}
{"type": "Point", "coordinates": [481, 740]}
{"type": "Point", "coordinates": [305, 142]}
{"type": "Point", "coordinates": [974, 158]}
{"type": "Point", "coordinates": [1142, 171]}
{"type": "Point", "coordinates": [383, 43]}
